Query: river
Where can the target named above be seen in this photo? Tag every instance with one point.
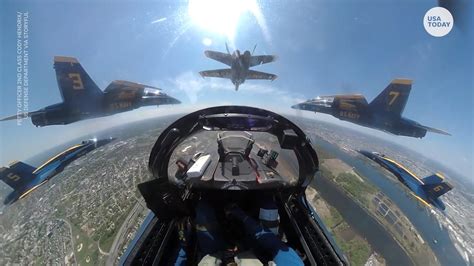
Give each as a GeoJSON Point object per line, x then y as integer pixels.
{"type": "Point", "coordinates": [380, 240]}
{"type": "Point", "coordinates": [427, 226]}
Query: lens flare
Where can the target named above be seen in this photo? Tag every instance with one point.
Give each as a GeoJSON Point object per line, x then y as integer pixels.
{"type": "Point", "coordinates": [219, 16]}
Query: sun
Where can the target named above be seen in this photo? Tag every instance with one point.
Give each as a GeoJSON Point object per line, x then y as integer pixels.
{"type": "Point", "coordinates": [219, 16]}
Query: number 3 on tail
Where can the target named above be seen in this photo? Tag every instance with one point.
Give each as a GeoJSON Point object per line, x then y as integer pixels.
{"type": "Point", "coordinates": [394, 95]}
{"type": "Point", "coordinates": [76, 81]}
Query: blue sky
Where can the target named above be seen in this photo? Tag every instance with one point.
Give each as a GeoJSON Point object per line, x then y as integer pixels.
{"type": "Point", "coordinates": [324, 48]}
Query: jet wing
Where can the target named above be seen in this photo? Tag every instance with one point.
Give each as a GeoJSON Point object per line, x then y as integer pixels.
{"type": "Point", "coordinates": [21, 115]}
{"type": "Point", "coordinates": [261, 59]}
{"type": "Point", "coordinates": [221, 57]}
{"type": "Point", "coordinates": [13, 117]}
{"type": "Point", "coordinates": [218, 73]}
{"type": "Point", "coordinates": [260, 75]}
{"type": "Point", "coordinates": [123, 83]}
{"type": "Point", "coordinates": [434, 130]}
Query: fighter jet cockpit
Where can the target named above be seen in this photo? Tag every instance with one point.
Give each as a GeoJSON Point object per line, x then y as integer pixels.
{"type": "Point", "coordinates": [325, 101]}
{"type": "Point", "coordinates": [234, 160]}
{"type": "Point", "coordinates": [236, 151]}
{"type": "Point", "coordinates": [151, 92]}
{"type": "Point", "coordinates": [232, 168]}
{"type": "Point", "coordinates": [237, 132]}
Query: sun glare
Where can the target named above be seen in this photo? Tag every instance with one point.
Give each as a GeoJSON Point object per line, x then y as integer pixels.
{"type": "Point", "coordinates": [219, 16]}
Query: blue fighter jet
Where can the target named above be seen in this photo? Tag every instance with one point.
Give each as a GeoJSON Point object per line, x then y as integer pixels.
{"type": "Point", "coordinates": [240, 65]}
{"type": "Point", "coordinates": [427, 190]}
{"type": "Point", "coordinates": [83, 99]}
{"type": "Point", "coordinates": [24, 178]}
{"type": "Point", "coordinates": [383, 113]}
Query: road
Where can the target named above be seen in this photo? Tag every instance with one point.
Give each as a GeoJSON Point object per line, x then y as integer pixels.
{"type": "Point", "coordinates": [113, 253]}
{"type": "Point", "coordinates": [72, 239]}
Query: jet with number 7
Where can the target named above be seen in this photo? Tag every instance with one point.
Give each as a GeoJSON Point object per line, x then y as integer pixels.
{"type": "Point", "coordinates": [82, 98]}
{"type": "Point", "coordinates": [383, 113]}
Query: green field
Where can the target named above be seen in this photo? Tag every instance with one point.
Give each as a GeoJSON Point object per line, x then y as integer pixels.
{"type": "Point", "coordinates": [355, 247]}
{"type": "Point", "coordinates": [362, 191]}
{"type": "Point", "coordinates": [107, 236]}
{"type": "Point", "coordinates": [359, 190]}
{"type": "Point", "coordinates": [89, 254]}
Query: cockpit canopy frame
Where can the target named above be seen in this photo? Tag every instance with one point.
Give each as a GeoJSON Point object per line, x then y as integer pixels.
{"type": "Point", "coordinates": [235, 118]}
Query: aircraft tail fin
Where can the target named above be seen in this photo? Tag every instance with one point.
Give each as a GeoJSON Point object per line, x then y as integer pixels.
{"type": "Point", "coordinates": [75, 85]}
{"type": "Point", "coordinates": [433, 179]}
{"type": "Point", "coordinates": [435, 185]}
{"type": "Point", "coordinates": [17, 175]}
{"type": "Point", "coordinates": [393, 98]}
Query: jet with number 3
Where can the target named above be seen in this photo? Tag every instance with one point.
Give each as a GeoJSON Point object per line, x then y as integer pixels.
{"type": "Point", "coordinates": [239, 66]}
{"type": "Point", "coordinates": [82, 98]}
{"type": "Point", "coordinates": [383, 113]}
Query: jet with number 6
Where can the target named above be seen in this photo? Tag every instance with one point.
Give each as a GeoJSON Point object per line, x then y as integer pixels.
{"type": "Point", "coordinates": [383, 113]}
{"type": "Point", "coordinates": [427, 190]}
{"type": "Point", "coordinates": [82, 98]}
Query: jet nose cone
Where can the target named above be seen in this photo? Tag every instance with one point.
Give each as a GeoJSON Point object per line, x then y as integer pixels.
{"type": "Point", "coordinates": [169, 100]}
{"type": "Point", "coordinates": [160, 99]}
{"type": "Point", "coordinates": [174, 101]}
{"type": "Point", "coordinates": [296, 106]}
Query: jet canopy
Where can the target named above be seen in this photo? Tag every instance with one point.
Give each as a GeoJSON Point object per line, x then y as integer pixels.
{"type": "Point", "coordinates": [325, 101]}
{"type": "Point", "coordinates": [151, 92]}
{"type": "Point", "coordinates": [234, 148]}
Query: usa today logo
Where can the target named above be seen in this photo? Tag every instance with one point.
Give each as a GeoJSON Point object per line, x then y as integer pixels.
{"type": "Point", "coordinates": [438, 21]}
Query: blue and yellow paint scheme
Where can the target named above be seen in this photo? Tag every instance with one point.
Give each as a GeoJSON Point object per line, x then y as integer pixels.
{"type": "Point", "coordinates": [383, 113]}
{"type": "Point", "coordinates": [24, 178]}
{"type": "Point", "coordinates": [240, 64]}
{"type": "Point", "coordinates": [83, 99]}
{"type": "Point", "coordinates": [427, 190]}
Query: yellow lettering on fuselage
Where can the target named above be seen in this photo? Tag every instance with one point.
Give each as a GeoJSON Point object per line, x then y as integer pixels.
{"type": "Point", "coordinates": [350, 115]}
{"type": "Point", "coordinates": [120, 105]}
